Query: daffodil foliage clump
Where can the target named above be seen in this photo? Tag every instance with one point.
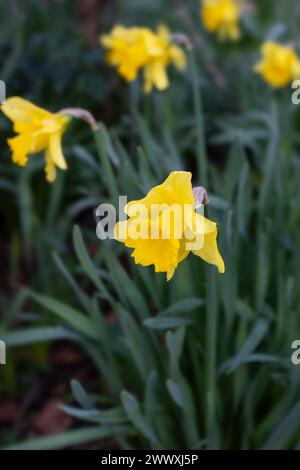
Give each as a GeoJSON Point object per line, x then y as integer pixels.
{"type": "Point", "coordinates": [190, 348]}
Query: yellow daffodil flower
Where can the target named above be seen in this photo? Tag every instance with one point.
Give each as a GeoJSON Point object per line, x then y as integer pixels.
{"type": "Point", "coordinates": [133, 49]}
{"type": "Point", "coordinates": [222, 17]}
{"type": "Point", "coordinates": [161, 53]}
{"type": "Point", "coordinates": [37, 130]}
{"type": "Point", "coordinates": [279, 64]}
{"type": "Point", "coordinates": [164, 227]}
{"type": "Point", "coordinates": [126, 50]}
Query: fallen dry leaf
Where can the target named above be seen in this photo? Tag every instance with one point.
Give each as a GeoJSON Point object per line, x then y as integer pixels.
{"type": "Point", "coordinates": [51, 419]}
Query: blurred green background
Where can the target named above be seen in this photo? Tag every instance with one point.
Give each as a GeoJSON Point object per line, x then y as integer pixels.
{"type": "Point", "coordinates": [207, 355]}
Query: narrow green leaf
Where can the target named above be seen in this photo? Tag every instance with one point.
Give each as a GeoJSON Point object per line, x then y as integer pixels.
{"type": "Point", "coordinates": [73, 317]}
{"type": "Point", "coordinates": [287, 428]}
{"type": "Point", "coordinates": [136, 342]}
{"type": "Point", "coordinates": [80, 395]}
{"type": "Point", "coordinates": [253, 340]}
{"type": "Point", "coordinates": [162, 322]}
{"type": "Point", "coordinates": [175, 393]}
{"type": "Point", "coordinates": [69, 438]}
{"type": "Point", "coordinates": [133, 411]}
{"type": "Point", "coordinates": [86, 262]}
{"type": "Point", "coordinates": [183, 306]}
{"type": "Point", "coordinates": [37, 335]}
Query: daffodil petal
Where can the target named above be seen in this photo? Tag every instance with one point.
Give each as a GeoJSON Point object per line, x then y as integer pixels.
{"type": "Point", "coordinates": [55, 151]}
{"type": "Point", "coordinates": [209, 252]}
{"type": "Point", "coordinates": [177, 188]}
{"type": "Point", "coordinates": [159, 75]}
{"type": "Point", "coordinates": [50, 169]}
{"type": "Point", "coordinates": [178, 57]}
{"type": "Point", "coordinates": [20, 147]}
{"type": "Point", "coordinates": [22, 111]}
{"type": "Point", "coordinates": [163, 254]}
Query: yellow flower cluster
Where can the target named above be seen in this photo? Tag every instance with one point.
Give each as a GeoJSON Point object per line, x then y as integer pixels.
{"type": "Point", "coordinates": [222, 17]}
{"type": "Point", "coordinates": [37, 130]}
{"type": "Point", "coordinates": [279, 64]}
{"type": "Point", "coordinates": [173, 241]}
{"type": "Point", "coordinates": [133, 49]}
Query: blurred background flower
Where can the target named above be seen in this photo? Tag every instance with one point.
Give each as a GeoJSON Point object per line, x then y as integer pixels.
{"type": "Point", "coordinates": [38, 130]}
{"type": "Point", "coordinates": [222, 17]}
{"type": "Point", "coordinates": [279, 65]}
{"type": "Point", "coordinates": [135, 49]}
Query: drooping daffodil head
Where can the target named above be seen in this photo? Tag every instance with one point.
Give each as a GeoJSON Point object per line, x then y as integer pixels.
{"type": "Point", "coordinates": [37, 130]}
{"type": "Point", "coordinates": [131, 50]}
{"type": "Point", "coordinates": [162, 52]}
{"type": "Point", "coordinates": [126, 50]}
{"type": "Point", "coordinates": [279, 64]}
{"type": "Point", "coordinates": [164, 227]}
{"type": "Point", "coordinates": [222, 17]}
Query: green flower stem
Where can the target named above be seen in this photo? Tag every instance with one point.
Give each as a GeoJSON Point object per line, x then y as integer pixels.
{"type": "Point", "coordinates": [201, 150]}
{"type": "Point", "coordinates": [271, 160]}
{"type": "Point", "coordinates": [106, 163]}
{"type": "Point", "coordinates": [211, 346]}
